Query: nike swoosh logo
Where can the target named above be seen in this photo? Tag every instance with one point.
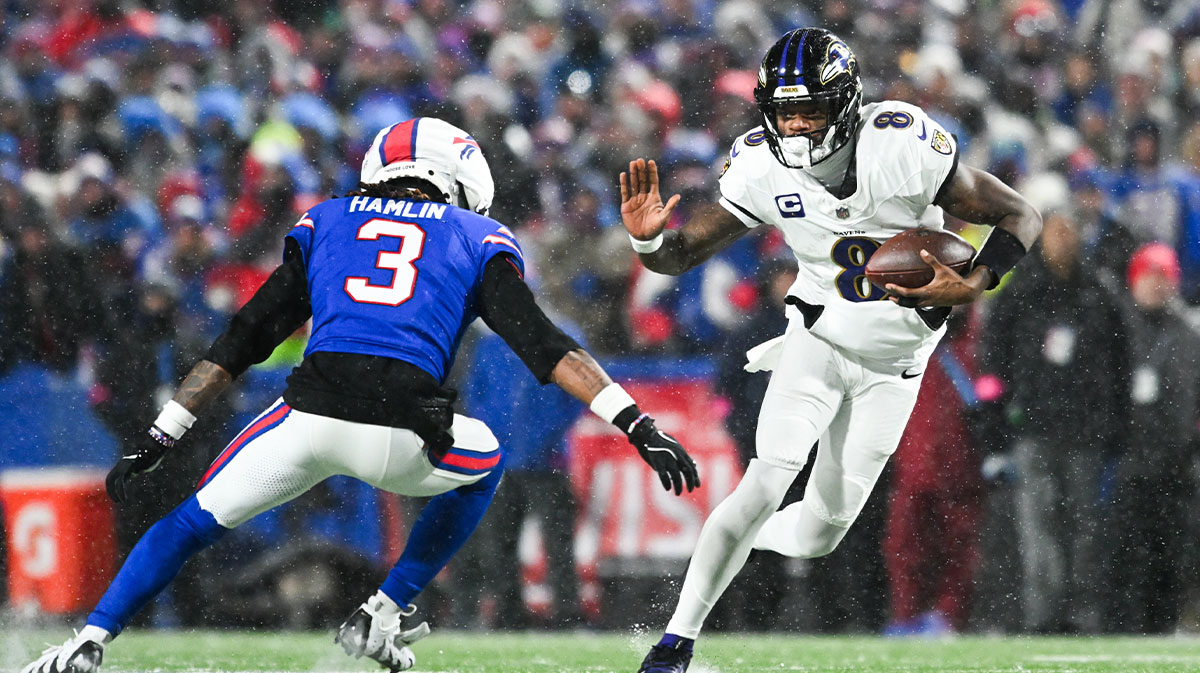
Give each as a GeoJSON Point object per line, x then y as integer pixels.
{"type": "Point", "coordinates": [907, 375]}
{"type": "Point", "coordinates": [922, 136]}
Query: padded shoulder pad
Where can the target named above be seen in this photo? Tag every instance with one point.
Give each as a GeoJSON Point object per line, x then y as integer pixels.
{"type": "Point", "coordinates": [917, 154]}
{"type": "Point", "coordinates": [749, 160]}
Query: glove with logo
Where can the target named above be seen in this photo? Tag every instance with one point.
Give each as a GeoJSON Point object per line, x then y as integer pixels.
{"type": "Point", "coordinates": [662, 452]}
{"type": "Point", "coordinates": [148, 452]}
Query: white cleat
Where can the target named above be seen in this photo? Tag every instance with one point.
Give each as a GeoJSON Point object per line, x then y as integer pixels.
{"type": "Point", "coordinates": [362, 635]}
{"type": "Point", "coordinates": [77, 655]}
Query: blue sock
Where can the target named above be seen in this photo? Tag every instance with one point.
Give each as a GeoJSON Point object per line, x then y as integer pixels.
{"type": "Point", "coordinates": [154, 561]}
{"type": "Point", "coordinates": [676, 642]}
{"type": "Point", "coordinates": [438, 533]}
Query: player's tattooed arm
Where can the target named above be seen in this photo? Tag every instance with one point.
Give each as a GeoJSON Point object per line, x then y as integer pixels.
{"type": "Point", "coordinates": [204, 383]}
{"type": "Point", "coordinates": [980, 197]}
{"type": "Point", "coordinates": [580, 375]}
{"type": "Point", "coordinates": [147, 450]}
{"type": "Point", "coordinates": [710, 228]}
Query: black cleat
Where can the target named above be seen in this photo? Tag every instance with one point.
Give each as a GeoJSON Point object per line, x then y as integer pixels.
{"type": "Point", "coordinates": [666, 659]}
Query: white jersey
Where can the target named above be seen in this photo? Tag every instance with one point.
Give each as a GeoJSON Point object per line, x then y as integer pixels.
{"type": "Point", "coordinates": [903, 158]}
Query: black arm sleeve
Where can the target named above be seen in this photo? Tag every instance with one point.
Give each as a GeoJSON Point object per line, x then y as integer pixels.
{"type": "Point", "coordinates": [507, 306]}
{"type": "Point", "coordinates": [279, 308]}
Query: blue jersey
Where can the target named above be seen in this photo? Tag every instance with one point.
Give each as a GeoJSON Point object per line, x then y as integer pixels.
{"type": "Point", "coordinates": [396, 278]}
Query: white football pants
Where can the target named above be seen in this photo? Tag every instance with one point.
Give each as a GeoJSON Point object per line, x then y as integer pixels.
{"type": "Point", "coordinates": [816, 395]}
{"type": "Point", "coordinates": [285, 452]}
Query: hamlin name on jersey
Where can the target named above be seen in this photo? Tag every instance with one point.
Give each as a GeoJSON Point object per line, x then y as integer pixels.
{"type": "Point", "coordinates": [903, 159]}
{"type": "Point", "coordinates": [396, 278]}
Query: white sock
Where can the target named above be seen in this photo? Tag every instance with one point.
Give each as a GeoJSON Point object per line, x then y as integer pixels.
{"type": "Point", "coordinates": [725, 542]}
{"type": "Point", "coordinates": [795, 531]}
{"type": "Point", "coordinates": [95, 634]}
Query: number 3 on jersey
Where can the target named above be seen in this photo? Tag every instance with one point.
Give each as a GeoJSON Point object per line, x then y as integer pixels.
{"type": "Point", "coordinates": [400, 263]}
{"type": "Point", "coordinates": [852, 254]}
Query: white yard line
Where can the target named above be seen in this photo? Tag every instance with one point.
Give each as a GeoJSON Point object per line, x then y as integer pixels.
{"type": "Point", "coordinates": [1133, 658]}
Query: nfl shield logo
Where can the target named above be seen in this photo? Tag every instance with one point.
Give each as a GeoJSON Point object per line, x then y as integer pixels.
{"type": "Point", "coordinates": [843, 212]}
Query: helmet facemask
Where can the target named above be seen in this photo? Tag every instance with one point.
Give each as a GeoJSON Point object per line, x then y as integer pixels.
{"type": "Point", "coordinates": [811, 148]}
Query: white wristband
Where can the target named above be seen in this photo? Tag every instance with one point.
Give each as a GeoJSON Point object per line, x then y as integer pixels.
{"type": "Point", "coordinates": [646, 247]}
{"type": "Point", "coordinates": [174, 419]}
{"type": "Point", "coordinates": [611, 401]}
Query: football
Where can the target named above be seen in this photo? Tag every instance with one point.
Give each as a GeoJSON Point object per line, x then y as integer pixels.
{"type": "Point", "coordinates": [899, 261]}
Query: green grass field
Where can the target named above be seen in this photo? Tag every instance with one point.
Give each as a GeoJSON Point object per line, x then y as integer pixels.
{"type": "Point", "coordinates": [167, 651]}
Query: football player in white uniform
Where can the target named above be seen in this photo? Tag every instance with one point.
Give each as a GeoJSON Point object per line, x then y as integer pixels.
{"type": "Point", "coordinates": [837, 178]}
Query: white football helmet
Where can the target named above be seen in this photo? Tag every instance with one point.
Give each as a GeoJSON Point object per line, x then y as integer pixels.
{"type": "Point", "coordinates": [432, 150]}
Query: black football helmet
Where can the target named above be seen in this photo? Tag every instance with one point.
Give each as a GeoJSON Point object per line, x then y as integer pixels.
{"type": "Point", "coordinates": [809, 65]}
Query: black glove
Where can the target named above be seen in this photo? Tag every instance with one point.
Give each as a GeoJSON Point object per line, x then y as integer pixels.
{"type": "Point", "coordinates": [148, 451]}
{"type": "Point", "coordinates": [661, 451]}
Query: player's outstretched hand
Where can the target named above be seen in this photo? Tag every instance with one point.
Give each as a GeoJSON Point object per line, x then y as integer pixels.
{"type": "Point", "coordinates": [665, 455]}
{"type": "Point", "coordinates": [642, 209]}
{"type": "Point", "coordinates": [148, 451]}
{"type": "Point", "coordinates": [946, 289]}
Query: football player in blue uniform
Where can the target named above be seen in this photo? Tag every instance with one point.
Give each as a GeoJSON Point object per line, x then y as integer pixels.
{"type": "Point", "coordinates": [391, 276]}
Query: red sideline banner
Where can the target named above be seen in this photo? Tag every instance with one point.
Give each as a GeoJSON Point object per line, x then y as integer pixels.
{"type": "Point", "coordinates": [61, 537]}
{"type": "Point", "coordinates": [625, 514]}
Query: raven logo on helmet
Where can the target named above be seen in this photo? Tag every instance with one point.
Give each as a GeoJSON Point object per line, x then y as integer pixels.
{"type": "Point", "coordinates": [439, 153]}
{"type": "Point", "coordinates": [838, 59]}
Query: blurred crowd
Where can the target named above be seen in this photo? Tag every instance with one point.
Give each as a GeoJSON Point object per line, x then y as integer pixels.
{"type": "Point", "coordinates": [154, 152]}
